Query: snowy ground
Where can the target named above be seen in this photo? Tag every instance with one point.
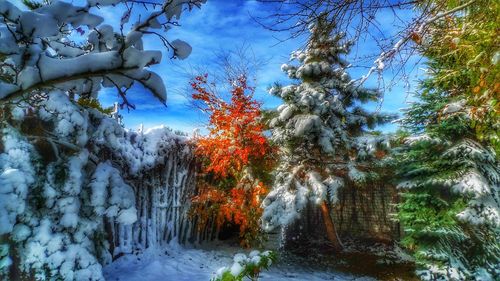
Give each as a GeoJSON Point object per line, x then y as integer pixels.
{"type": "Point", "coordinates": [181, 264]}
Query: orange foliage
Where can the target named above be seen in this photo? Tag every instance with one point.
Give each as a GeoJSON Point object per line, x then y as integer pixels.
{"type": "Point", "coordinates": [234, 145]}
{"type": "Point", "coordinates": [239, 206]}
{"type": "Point", "coordinates": [235, 133]}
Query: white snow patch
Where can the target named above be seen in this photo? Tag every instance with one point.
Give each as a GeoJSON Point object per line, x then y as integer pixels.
{"type": "Point", "coordinates": [187, 264]}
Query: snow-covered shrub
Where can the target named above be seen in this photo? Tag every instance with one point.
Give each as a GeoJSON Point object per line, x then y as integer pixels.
{"type": "Point", "coordinates": [64, 169]}
{"type": "Point", "coordinates": [244, 266]}
{"type": "Point", "coordinates": [59, 194]}
{"type": "Point", "coordinates": [54, 228]}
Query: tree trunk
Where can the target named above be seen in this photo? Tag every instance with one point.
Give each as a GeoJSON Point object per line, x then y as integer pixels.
{"type": "Point", "coordinates": [330, 228]}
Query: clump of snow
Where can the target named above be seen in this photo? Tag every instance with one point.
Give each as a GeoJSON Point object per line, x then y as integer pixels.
{"type": "Point", "coordinates": [304, 124]}
{"type": "Point", "coordinates": [285, 112]}
{"type": "Point", "coordinates": [181, 49]}
{"type": "Point", "coordinates": [318, 188]}
{"type": "Point", "coordinates": [454, 107]}
{"type": "Point", "coordinates": [17, 174]}
{"type": "Point", "coordinates": [418, 138]}
{"type": "Point", "coordinates": [111, 196]}
{"type": "Point", "coordinates": [333, 184]}
{"type": "Point", "coordinates": [285, 201]}
{"type": "Point", "coordinates": [495, 58]}
{"type": "Point", "coordinates": [355, 174]}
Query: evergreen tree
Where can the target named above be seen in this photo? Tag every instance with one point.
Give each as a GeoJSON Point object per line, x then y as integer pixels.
{"type": "Point", "coordinates": [321, 129]}
{"type": "Point", "coordinates": [450, 207]}
{"type": "Point", "coordinates": [449, 170]}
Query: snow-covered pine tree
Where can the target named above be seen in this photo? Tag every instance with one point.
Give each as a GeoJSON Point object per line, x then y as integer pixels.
{"type": "Point", "coordinates": [322, 131]}
{"type": "Point", "coordinates": [450, 209]}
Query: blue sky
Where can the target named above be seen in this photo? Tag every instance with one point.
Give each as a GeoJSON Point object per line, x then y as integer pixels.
{"type": "Point", "coordinates": [226, 25]}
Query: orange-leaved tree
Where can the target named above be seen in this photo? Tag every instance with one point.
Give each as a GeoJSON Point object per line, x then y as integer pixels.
{"type": "Point", "coordinates": [236, 157]}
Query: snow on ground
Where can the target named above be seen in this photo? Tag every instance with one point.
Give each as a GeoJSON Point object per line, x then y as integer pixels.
{"type": "Point", "coordinates": [176, 263]}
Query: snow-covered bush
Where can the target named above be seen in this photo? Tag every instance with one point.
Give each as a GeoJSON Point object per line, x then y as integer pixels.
{"type": "Point", "coordinates": [244, 266]}
{"type": "Point", "coordinates": [59, 194]}
{"type": "Point", "coordinates": [56, 221]}
{"type": "Point", "coordinates": [65, 169]}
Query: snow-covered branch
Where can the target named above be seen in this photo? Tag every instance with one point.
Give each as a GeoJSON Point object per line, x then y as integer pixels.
{"type": "Point", "coordinates": [38, 49]}
{"type": "Point", "coordinates": [417, 31]}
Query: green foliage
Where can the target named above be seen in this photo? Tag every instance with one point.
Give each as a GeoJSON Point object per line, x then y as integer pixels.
{"type": "Point", "coordinates": [427, 214]}
{"type": "Point", "coordinates": [95, 104]}
{"type": "Point", "coordinates": [443, 241]}
{"type": "Point", "coordinates": [250, 267]}
{"type": "Point", "coordinates": [465, 59]}
{"type": "Point", "coordinates": [34, 4]}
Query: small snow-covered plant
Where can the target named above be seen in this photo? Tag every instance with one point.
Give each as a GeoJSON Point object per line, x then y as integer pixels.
{"type": "Point", "coordinates": [246, 267]}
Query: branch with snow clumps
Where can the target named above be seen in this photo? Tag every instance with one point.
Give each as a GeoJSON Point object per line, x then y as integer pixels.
{"type": "Point", "coordinates": [418, 30]}
{"type": "Point", "coordinates": [37, 51]}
